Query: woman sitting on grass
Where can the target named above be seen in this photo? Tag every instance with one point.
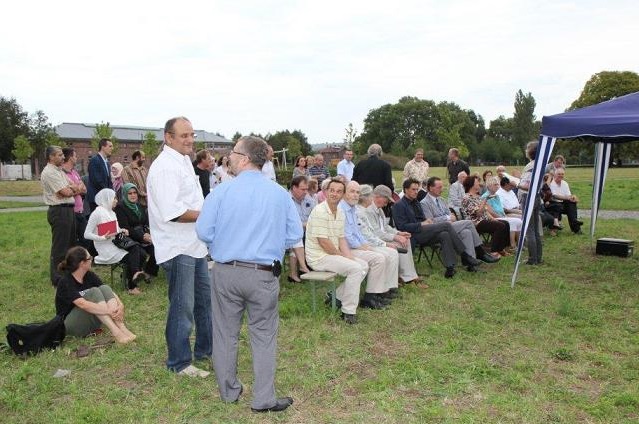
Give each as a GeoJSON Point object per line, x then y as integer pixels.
{"type": "Point", "coordinates": [85, 303]}
{"type": "Point", "coordinates": [109, 253]}
{"type": "Point", "coordinates": [133, 217]}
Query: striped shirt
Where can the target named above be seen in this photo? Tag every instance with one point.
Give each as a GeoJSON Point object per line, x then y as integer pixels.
{"type": "Point", "coordinates": [322, 224]}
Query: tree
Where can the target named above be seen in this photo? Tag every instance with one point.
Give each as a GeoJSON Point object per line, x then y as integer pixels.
{"type": "Point", "coordinates": [150, 145]}
{"type": "Point", "coordinates": [41, 134]}
{"type": "Point", "coordinates": [282, 139]}
{"type": "Point", "coordinates": [524, 128]}
{"type": "Point", "coordinates": [22, 151]}
{"type": "Point", "coordinates": [413, 123]}
{"type": "Point", "coordinates": [101, 131]}
{"type": "Point", "coordinates": [351, 134]}
{"type": "Point", "coordinates": [605, 85]}
{"type": "Point", "coordinates": [13, 122]}
{"type": "Point", "coordinates": [236, 136]}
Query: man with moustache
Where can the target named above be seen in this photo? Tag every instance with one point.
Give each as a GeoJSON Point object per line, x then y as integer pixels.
{"type": "Point", "coordinates": [136, 173]}
{"type": "Point", "coordinates": [58, 194]}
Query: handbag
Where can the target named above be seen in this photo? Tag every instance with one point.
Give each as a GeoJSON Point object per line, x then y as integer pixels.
{"type": "Point", "coordinates": [123, 241]}
{"type": "Point", "coordinates": [32, 338]}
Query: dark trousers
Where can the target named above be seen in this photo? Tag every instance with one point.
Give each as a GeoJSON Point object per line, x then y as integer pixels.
{"type": "Point", "coordinates": [499, 231]}
{"type": "Point", "coordinates": [63, 235]}
{"type": "Point", "coordinates": [151, 267]}
{"type": "Point", "coordinates": [567, 208]}
{"type": "Point", "coordinates": [444, 234]}
{"type": "Point", "coordinates": [134, 261]}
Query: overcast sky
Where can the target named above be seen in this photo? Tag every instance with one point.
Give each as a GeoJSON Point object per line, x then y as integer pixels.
{"type": "Point", "coordinates": [264, 66]}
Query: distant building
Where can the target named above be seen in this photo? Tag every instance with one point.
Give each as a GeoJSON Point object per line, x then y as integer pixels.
{"type": "Point", "coordinates": [129, 138]}
{"type": "Point", "coordinates": [332, 154]}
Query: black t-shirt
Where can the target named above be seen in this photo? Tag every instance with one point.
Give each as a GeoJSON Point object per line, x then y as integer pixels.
{"type": "Point", "coordinates": [69, 289]}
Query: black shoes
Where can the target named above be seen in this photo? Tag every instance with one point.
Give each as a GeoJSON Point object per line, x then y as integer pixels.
{"type": "Point", "coordinates": [371, 302]}
{"type": "Point", "coordinates": [280, 405]}
{"type": "Point", "coordinates": [349, 319]}
{"type": "Point", "coordinates": [329, 300]}
{"type": "Point", "coordinates": [489, 259]}
{"type": "Point", "coordinates": [469, 260]}
{"type": "Point", "coordinates": [472, 268]}
{"type": "Point", "coordinates": [450, 271]}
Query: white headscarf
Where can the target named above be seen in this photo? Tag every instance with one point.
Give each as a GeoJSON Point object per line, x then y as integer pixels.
{"type": "Point", "coordinates": [105, 198]}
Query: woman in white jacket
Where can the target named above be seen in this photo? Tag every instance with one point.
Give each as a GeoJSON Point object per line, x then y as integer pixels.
{"type": "Point", "coordinates": [109, 253]}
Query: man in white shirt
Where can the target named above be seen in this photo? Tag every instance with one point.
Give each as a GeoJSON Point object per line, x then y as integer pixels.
{"type": "Point", "coordinates": [563, 201]}
{"type": "Point", "coordinates": [508, 197]}
{"type": "Point", "coordinates": [175, 200]}
{"type": "Point", "coordinates": [268, 169]}
{"type": "Point", "coordinates": [345, 166]}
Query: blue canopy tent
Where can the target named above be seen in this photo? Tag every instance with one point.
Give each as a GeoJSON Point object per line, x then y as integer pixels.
{"type": "Point", "coordinates": [613, 121]}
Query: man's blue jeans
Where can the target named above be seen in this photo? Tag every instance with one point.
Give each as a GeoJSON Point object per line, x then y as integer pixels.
{"type": "Point", "coordinates": [189, 303]}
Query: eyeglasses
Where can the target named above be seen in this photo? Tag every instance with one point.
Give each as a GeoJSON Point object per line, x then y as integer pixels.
{"type": "Point", "coordinates": [185, 135]}
{"type": "Point", "coordinates": [239, 153]}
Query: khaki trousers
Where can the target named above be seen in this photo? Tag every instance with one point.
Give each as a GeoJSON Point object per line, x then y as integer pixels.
{"type": "Point", "coordinates": [376, 269]}
{"type": "Point", "coordinates": [353, 269]}
{"type": "Point", "coordinates": [407, 271]}
{"type": "Point", "coordinates": [391, 263]}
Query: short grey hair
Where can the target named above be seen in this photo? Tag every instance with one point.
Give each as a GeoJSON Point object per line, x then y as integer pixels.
{"type": "Point", "coordinates": [51, 150]}
{"type": "Point", "coordinates": [374, 150]}
{"type": "Point", "coordinates": [365, 192]}
{"type": "Point", "coordinates": [255, 148]}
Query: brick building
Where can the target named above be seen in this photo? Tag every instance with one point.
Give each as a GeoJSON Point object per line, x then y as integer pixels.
{"type": "Point", "coordinates": [129, 139]}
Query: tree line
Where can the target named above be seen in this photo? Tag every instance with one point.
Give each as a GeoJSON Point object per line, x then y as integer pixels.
{"type": "Point", "coordinates": [400, 129]}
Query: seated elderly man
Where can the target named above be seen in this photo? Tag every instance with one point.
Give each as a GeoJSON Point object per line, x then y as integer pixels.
{"type": "Point", "coordinates": [377, 232]}
{"type": "Point", "coordinates": [508, 197]}
{"type": "Point", "coordinates": [327, 249]}
{"type": "Point", "coordinates": [436, 209]}
{"type": "Point", "coordinates": [456, 193]}
{"type": "Point", "coordinates": [382, 262]}
{"type": "Point", "coordinates": [563, 201]}
{"type": "Point", "coordinates": [409, 216]}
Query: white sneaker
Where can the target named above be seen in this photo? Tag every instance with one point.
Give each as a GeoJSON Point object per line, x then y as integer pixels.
{"type": "Point", "coordinates": [192, 371]}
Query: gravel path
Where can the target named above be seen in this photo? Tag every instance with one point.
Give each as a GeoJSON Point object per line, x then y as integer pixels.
{"type": "Point", "coordinates": [585, 213]}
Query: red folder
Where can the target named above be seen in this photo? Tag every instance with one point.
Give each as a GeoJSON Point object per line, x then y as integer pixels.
{"type": "Point", "coordinates": [107, 228]}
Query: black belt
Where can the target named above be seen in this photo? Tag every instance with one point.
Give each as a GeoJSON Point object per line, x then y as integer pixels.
{"type": "Point", "coordinates": [250, 265]}
{"type": "Point", "coordinates": [64, 205]}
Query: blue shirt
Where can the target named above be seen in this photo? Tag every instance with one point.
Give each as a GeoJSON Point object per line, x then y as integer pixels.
{"type": "Point", "coordinates": [495, 203]}
{"type": "Point", "coordinates": [352, 234]}
{"type": "Point", "coordinates": [304, 207]}
{"type": "Point", "coordinates": [249, 218]}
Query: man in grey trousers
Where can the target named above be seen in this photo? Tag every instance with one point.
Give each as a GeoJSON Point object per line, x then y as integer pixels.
{"type": "Point", "coordinates": [248, 224]}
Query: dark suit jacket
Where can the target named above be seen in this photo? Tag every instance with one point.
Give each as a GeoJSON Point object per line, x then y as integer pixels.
{"type": "Point", "coordinates": [374, 171]}
{"type": "Point", "coordinates": [408, 215]}
{"type": "Point", "coordinates": [99, 178]}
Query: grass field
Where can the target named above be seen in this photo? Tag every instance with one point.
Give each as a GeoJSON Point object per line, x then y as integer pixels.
{"type": "Point", "coordinates": [14, 204]}
{"type": "Point", "coordinates": [562, 346]}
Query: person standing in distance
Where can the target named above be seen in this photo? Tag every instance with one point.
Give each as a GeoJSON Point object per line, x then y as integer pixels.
{"type": "Point", "coordinates": [248, 224]}
{"type": "Point", "coordinates": [175, 200]}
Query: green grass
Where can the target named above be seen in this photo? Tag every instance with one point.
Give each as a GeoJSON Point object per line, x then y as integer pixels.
{"type": "Point", "coordinates": [563, 346]}
{"type": "Point", "coordinates": [621, 191]}
{"type": "Point", "coordinates": [13, 204]}
{"type": "Point", "coordinates": [20, 188]}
